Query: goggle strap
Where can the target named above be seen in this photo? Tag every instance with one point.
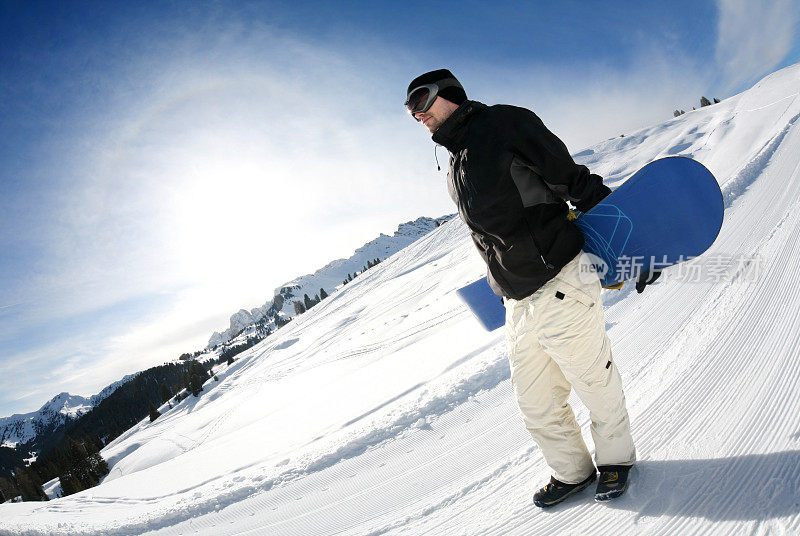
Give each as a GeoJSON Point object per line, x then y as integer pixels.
{"type": "Point", "coordinates": [448, 82]}
{"type": "Point", "coordinates": [441, 84]}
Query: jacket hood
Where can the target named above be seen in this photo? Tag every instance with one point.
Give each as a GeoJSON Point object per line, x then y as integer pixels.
{"type": "Point", "coordinates": [453, 132]}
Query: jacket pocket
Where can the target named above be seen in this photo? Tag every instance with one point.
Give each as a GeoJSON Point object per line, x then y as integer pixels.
{"type": "Point", "coordinates": [521, 263]}
{"type": "Point", "coordinates": [532, 189]}
{"type": "Point", "coordinates": [497, 273]}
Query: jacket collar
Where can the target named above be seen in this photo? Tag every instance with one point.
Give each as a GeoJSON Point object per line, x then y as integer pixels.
{"type": "Point", "coordinates": [453, 132]}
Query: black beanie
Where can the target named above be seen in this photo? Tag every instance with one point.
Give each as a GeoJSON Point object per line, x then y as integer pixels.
{"type": "Point", "coordinates": [455, 95]}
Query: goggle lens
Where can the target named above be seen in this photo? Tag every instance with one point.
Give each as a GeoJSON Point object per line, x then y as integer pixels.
{"type": "Point", "coordinates": [417, 100]}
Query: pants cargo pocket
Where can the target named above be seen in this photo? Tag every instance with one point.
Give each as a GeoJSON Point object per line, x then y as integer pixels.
{"type": "Point", "coordinates": [568, 325]}
{"type": "Point", "coordinates": [598, 372]}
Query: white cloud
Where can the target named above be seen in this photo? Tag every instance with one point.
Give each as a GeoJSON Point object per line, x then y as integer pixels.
{"type": "Point", "coordinates": [753, 36]}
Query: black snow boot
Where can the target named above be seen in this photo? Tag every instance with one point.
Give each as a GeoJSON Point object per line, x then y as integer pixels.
{"type": "Point", "coordinates": [556, 491]}
{"type": "Point", "coordinates": [613, 482]}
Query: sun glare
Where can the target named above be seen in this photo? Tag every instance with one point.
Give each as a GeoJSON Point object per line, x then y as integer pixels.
{"type": "Point", "coordinates": [224, 210]}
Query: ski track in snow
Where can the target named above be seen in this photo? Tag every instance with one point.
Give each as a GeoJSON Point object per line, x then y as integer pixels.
{"type": "Point", "coordinates": [385, 410]}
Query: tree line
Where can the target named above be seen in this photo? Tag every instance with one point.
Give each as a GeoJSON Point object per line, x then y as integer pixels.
{"type": "Point", "coordinates": [703, 103]}
{"type": "Point", "coordinates": [73, 453]}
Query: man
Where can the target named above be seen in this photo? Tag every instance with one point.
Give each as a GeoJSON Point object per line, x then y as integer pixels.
{"type": "Point", "coordinates": [511, 179]}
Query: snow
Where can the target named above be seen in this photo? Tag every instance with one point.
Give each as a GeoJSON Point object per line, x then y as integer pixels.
{"type": "Point", "coordinates": [386, 409]}
{"type": "Point", "coordinates": [52, 488]}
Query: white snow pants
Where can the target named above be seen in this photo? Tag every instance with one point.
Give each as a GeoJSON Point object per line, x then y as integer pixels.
{"type": "Point", "coordinates": [557, 340]}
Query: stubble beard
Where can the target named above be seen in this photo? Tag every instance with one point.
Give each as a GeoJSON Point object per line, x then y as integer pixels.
{"type": "Point", "coordinates": [433, 124]}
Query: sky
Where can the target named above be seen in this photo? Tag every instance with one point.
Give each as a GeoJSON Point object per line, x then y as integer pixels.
{"type": "Point", "coordinates": [165, 164]}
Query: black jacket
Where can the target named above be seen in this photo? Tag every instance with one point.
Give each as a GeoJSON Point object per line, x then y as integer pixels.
{"type": "Point", "coordinates": [510, 178]}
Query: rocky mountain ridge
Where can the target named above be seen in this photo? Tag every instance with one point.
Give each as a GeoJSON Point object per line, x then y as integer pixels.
{"type": "Point", "coordinates": [329, 277]}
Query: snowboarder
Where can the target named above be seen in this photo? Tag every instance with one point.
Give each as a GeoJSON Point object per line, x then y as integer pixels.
{"type": "Point", "coordinates": [511, 178]}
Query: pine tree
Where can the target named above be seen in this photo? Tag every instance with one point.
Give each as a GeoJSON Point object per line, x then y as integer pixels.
{"type": "Point", "coordinates": [197, 376]}
{"type": "Point", "coordinates": [716, 100]}
{"type": "Point", "coordinates": [704, 102]}
{"type": "Point", "coordinates": [89, 445]}
{"type": "Point", "coordinates": [322, 294]}
{"type": "Point", "coordinates": [154, 414]}
{"type": "Point", "coordinates": [166, 394]}
{"type": "Point", "coordinates": [196, 368]}
{"type": "Point", "coordinates": [298, 308]}
{"type": "Point", "coordinates": [195, 384]}
{"type": "Point", "coordinates": [29, 485]}
{"type": "Point", "coordinates": [307, 302]}
{"type": "Point", "coordinates": [77, 451]}
{"type": "Point", "coordinates": [69, 484]}
{"type": "Point", "coordinates": [83, 467]}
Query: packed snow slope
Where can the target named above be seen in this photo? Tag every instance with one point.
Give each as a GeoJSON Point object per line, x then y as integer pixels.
{"type": "Point", "coordinates": [386, 409]}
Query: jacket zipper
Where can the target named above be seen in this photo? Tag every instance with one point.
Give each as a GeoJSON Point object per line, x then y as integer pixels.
{"type": "Point", "coordinates": [470, 191]}
{"type": "Point", "coordinates": [538, 249]}
{"type": "Point", "coordinates": [490, 252]}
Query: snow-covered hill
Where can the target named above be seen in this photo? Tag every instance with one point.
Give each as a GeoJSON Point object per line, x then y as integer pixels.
{"type": "Point", "coordinates": [329, 277]}
{"type": "Point", "coordinates": [387, 410]}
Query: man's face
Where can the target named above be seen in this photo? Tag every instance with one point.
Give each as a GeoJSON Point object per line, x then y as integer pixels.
{"type": "Point", "coordinates": [439, 111]}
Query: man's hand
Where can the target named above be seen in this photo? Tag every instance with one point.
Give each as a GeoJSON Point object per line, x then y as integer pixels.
{"type": "Point", "coordinates": [646, 278]}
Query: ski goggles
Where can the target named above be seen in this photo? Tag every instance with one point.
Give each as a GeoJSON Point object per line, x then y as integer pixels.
{"type": "Point", "coordinates": [420, 99]}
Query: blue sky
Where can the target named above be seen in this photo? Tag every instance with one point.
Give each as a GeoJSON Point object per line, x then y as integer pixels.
{"type": "Point", "coordinates": [166, 163]}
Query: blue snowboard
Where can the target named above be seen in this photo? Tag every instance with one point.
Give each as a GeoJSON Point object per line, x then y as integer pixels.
{"type": "Point", "coordinates": [668, 212]}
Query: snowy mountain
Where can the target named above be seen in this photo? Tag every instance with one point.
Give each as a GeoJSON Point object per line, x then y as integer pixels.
{"type": "Point", "coordinates": [329, 277]}
{"type": "Point", "coordinates": [387, 410]}
{"type": "Point", "coordinates": [22, 428]}
{"type": "Point", "coordinates": [29, 428]}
